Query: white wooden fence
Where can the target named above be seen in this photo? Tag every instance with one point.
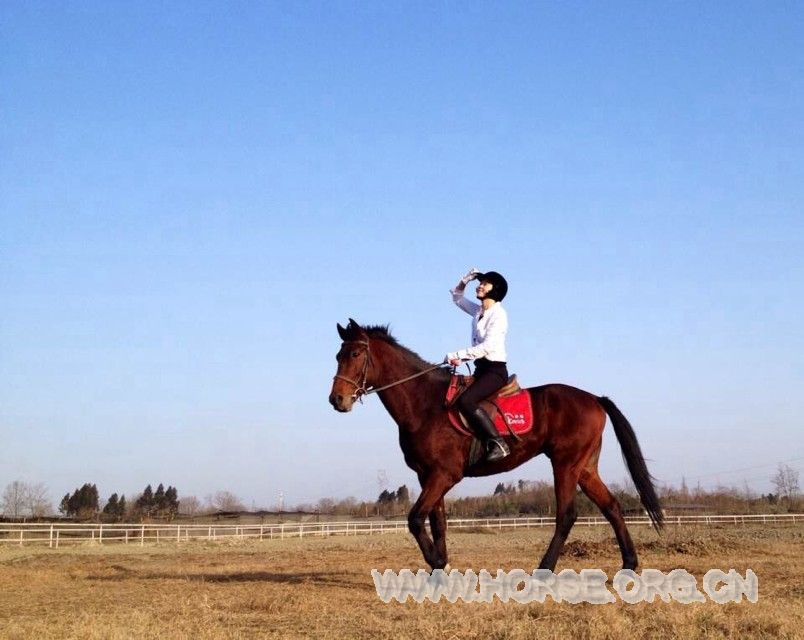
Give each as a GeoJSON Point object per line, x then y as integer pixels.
{"type": "Point", "coordinates": [61, 533]}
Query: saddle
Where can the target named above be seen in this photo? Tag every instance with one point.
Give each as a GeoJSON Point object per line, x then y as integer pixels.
{"type": "Point", "coordinates": [509, 408]}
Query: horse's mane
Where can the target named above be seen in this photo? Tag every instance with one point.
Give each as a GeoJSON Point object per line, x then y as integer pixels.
{"type": "Point", "coordinates": [383, 332]}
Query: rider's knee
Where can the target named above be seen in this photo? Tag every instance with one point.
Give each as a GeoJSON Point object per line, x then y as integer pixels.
{"type": "Point", "coordinates": [465, 405]}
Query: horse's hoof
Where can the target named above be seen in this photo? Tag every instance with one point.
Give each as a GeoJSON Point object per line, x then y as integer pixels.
{"type": "Point", "coordinates": [446, 569]}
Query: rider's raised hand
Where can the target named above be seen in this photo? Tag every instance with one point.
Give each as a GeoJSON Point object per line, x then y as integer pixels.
{"type": "Point", "coordinates": [470, 275]}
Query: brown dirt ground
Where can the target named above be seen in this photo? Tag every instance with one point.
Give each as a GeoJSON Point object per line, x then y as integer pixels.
{"type": "Point", "coordinates": [322, 588]}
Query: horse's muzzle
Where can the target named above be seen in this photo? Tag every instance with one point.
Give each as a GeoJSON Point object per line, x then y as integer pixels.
{"type": "Point", "coordinates": [341, 403]}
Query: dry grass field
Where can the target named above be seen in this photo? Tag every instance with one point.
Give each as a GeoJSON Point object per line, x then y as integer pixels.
{"type": "Point", "coordinates": [322, 588]}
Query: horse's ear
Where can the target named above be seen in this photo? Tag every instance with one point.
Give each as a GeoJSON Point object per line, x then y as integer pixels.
{"type": "Point", "coordinates": [355, 329]}
{"type": "Point", "coordinates": [342, 332]}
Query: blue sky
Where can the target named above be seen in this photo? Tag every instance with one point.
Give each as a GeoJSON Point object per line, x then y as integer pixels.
{"type": "Point", "coordinates": [192, 195]}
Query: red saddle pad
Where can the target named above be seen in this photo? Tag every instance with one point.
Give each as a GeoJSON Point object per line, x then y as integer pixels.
{"type": "Point", "coordinates": [514, 413]}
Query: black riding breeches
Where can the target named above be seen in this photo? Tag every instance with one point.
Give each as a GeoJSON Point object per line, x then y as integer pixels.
{"type": "Point", "coordinates": [489, 377]}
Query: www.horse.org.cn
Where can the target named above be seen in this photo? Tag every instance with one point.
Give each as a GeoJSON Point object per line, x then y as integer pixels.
{"type": "Point", "coordinates": [590, 585]}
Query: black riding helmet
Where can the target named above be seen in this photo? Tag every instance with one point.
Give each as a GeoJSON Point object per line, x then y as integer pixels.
{"type": "Point", "coordinates": [499, 285]}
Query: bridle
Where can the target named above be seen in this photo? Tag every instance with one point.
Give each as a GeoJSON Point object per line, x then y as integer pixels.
{"type": "Point", "coordinates": [360, 387]}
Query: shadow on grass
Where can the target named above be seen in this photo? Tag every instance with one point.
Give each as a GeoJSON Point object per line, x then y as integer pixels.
{"type": "Point", "coordinates": [310, 578]}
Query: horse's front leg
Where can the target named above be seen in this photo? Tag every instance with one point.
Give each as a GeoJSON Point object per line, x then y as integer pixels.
{"type": "Point", "coordinates": [438, 528]}
{"type": "Point", "coordinates": [434, 487]}
{"type": "Point", "coordinates": [566, 483]}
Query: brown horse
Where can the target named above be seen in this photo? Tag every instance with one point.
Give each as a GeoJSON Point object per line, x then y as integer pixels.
{"type": "Point", "coordinates": [568, 428]}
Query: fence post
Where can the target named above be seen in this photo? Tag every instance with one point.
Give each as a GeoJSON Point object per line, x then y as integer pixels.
{"type": "Point", "coordinates": [51, 536]}
{"type": "Point", "coordinates": [142, 537]}
{"type": "Point", "coordinates": [100, 534]}
{"type": "Point", "coordinates": [21, 536]}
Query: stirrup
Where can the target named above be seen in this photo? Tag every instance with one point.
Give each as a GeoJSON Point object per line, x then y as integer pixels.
{"type": "Point", "coordinates": [496, 449]}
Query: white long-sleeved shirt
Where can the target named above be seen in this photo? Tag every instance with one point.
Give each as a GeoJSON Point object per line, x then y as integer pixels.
{"type": "Point", "coordinates": [488, 330]}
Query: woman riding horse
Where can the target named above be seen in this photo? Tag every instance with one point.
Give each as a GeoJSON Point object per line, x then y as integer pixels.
{"type": "Point", "coordinates": [567, 427]}
{"type": "Point", "coordinates": [489, 327]}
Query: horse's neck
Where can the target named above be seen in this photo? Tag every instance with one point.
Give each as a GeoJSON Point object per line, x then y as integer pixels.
{"type": "Point", "coordinates": [406, 401]}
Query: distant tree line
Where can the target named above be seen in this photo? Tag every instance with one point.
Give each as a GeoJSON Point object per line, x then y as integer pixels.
{"type": "Point", "coordinates": [401, 496]}
{"type": "Point", "coordinates": [387, 504]}
{"type": "Point", "coordinates": [525, 497]}
{"type": "Point", "coordinates": [164, 503]}
{"type": "Point", "coordinates": [537, 498]}
{"type": "Point", "coordinates": [84, 504]}
{"type": "Point", "coordinates": [391, 503]}
{"type": "Point", "coordinates": [115, 508]}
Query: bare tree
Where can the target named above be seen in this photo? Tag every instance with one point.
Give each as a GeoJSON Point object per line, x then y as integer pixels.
{"type": "Point", "coordinates": [13, 499]}
{"type": "Point", "coordinates": [189, 506]}
{"type": "Point", "coordinates": [325, 505]}
{"type": "Point", "coordinates": [225, 501]}
{"type": "Point", "coordinates": [786, 482]}
{"type": "Point", "coordinates": [347, 506]}
{"type": "Point", "coordinates": [22, 499]}
{"type": "Point", "coordinates": [382, 479]}
{"type": "Point", "coordinates": [37, 500]}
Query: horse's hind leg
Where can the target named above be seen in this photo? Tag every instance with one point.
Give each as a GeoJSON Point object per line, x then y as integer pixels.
{"type": "Point", "coordinates": [566, 482]}
{"type": "Point", "coordinates": [599, 493]}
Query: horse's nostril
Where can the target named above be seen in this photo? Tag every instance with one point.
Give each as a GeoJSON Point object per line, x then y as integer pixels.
{"type": "Point", "coordinates": [336, 400]}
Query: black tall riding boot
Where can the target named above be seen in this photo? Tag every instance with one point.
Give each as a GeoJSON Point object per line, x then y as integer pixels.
{"type": "Point", "coordinates": [496, 448]}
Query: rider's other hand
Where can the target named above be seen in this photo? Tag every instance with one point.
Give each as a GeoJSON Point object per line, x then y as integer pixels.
{"type": "Point", "coordinates": [455, 362]}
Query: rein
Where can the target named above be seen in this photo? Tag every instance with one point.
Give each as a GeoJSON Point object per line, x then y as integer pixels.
{"type": "Point", "coordinates": [415, 375]}
{"type": "Point", "coordinates": [360, 388]}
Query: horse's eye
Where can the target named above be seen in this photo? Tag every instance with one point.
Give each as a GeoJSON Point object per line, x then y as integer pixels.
{"type": "Point", "coordinates": [355, 354]}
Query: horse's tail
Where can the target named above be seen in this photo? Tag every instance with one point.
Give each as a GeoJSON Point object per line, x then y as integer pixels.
{"type": "Point", "coordinates": [632, 455]}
